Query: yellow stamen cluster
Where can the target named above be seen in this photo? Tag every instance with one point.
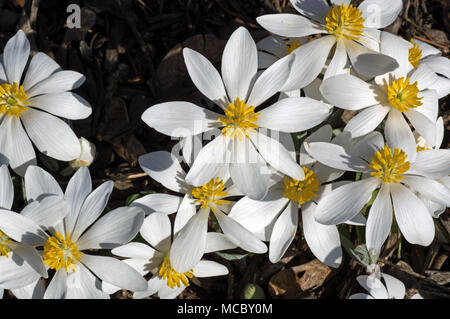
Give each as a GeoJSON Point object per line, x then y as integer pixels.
{"type": "Point", "coordinates": [422, 148]}
{"type": "Point", "coordinates": [60, 252]}
{"type": "Point", "coordinates": [292, 45]}
{"type": "Point", "coordinates": [345, 21]}
{"type": "Point", "coordinates": [402, 95]}
{"type": "Point", "coordinates": [389, 167]}
{"type": "Point", "coordinates": [301, 191]}
{"type": "Point", "coordinates": [210, 194]}
{"type": "Point", "coordinates": [174, 278]}
{"type": "Point", "coordinates": [414, 54]}
{"type": "Point", "coordinates": [240, 119]}
{"type": "Point", "coordinates": [12, 99]}
{"type": "Point", "coordinates": [4, 244]}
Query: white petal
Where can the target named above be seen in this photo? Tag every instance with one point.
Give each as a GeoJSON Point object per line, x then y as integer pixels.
{"type": "Point", "coordinates": [156, 230]}
{"type": "Point", "coordinates": [186, 210]}
{"type": "Point", "coordinates": [21, 228]}
{"type": "Point", "coordinates": [16, 145]}
{"type": "Point", "coordinates": [430, 104]}
{"type": "Point", "coordinates": [270, 81]}
{"type": "Point", "coordinates": [40, 68]}
{"type": "Point", "coordinates": [82, 284]}
{"type": "Point", "coordinates": [134, 250]}
{"type": "Point", "coordinates": [293, 114]}
{"type": "Point", "coordinates": [273, 44]}
{"type": "Point", "coordinates": [116, 228]}
{"type": "Point", "coordinates": [371, 64]}
{"type": "Point", "coordinates": [397, 48]}
{"type": "Point", "coordinates": [207, 268]}
{"type": "Point", "coordinates": [309, 61]}
{"type": "Point", "coordinates": [423, 125]}
{"type": "Point", "coordinates": [338, 61]}
{"type": "Point", "coordinates": [115, 272]}
{"type": "Point", "coordinates": [217, 242]}
{"type": "Point", "coordinates": [154, 284]}
{"type": "Point", "coordinates": [432, 164]}
{"type": "Point", "coordinates": [439, 132]}
{"type": "Point", "coordinates": [39, 183]}
{"type": "Point", "coordinates": [380, 13]}
{"type": "Point", "coordinates": [349, 92]}
{"type": "Point", "coordinates": [170, 293]}
{"type": "Point", "coordinates": [92, 208]}
{"type": "Point", "coordinates": [323, 134]}
{"type": "Point", "coordinates": [7, 188]}
{"type": "Point", "coordinates": [47, 213]}
{"type": "Point", "coordinates": [58, 286]}
{"type": "Point", "coordinates": [374, 286]}
{"type": "Point", "coordinates": [441, 86]}
{"type": "Point", "coordinates": [239, 234]}
{"type": "Point", "coordinates": [345, 202]}
{"type": "Point", "coordinates": [189, 246]}
{"type": "Point", "coordinates": [424, 76]}
{"type": "Point", "coordinates": [396, 289]}
{"type": "Point", "coordinates": [179, 119]}
{"type": "Point", "coordinates": [239, 64]}
{"type": "Point", "coordinates": [361, 296]}
{"type": "Point", "coordinates": [283, 232]}
{"type": "Point", "coordinates": [323, 240]}
{"type": "Point", "coordinates": [66, 104]}
{"type": "Point", "coordinates": [412, 216]}
{"type": "Point", "coordinates": [379, 221]}
{"type": "Point", "coordinates": [316, 10]}
{"type": "Point", "coordinates": [367, 120]}
{"type": "Point", "coordinates": [289, 25]}
{"type": "Point", "coordinates": [438, 64]}
{"type": "Point", "coordinates": [51, 135]}
{"type": "Point", "coordinates": [34, 290]}
{"type": "Point", "coordinates": [163, 203]}
{"type": "Point", "coordinates": [15, 272]}
{"type": "Point", "coordinates": [367, 145]}
{"type": "Point", "coordinates": [15, 56]}
{"type": "Point", "coordinates": [205, 77]}
{"type": "Point", "coordinates": [399, 135]}
{"type": "Point", "coordinates": [431, 189]}
{"type": "Point", "coordinates": [58, 82]}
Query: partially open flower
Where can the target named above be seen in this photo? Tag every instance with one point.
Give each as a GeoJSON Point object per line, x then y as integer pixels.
{"type": "Point", "coordinates": [87, 155]}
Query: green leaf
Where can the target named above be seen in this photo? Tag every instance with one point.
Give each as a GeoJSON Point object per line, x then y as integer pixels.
{"type": "Point", "coordinates": [231, 256]}
{"type": "Point", "coordinates": [252, 291]}
{"type": "Point", "coordinates": [132, 198]}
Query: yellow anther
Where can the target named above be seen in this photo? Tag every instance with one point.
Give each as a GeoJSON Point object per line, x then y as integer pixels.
{"type": "Point", "coordinates": [345, 21]}
{"type": "Point", "coordinates": [240, 120]}
{"type": "Point", "coordinates": [301, 191]}
{"type": "Point", "coordinates": [415, 54]}
{"type": "Point", "coordinates": [292, 45]}
{"type": "Point", "coordinates": [389, 167]}
{"type": "Point", "coordinates": [210, 194]}
{"type": "Point", "coordinates": [12, 99]}
{"type": "Point", "coordinates": [5, 241]}
{"type": "Point", "coordinates": [174, 279]}
{"type": "Point", "coordinates": [60, 252]}
{"type": "Point", "coordinates": [403, 96]}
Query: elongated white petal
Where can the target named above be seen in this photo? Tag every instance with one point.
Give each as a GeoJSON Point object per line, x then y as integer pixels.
{"type": "Point", "coordinates": [41, 67]}
{"type": "Point", "coordinates": [58, 286]}
{"type": "Point", "coordinates": [7, 192]}
{"type": "Point", "coordinates": [180, 119]}
{"type": "Point", "coordinates": [186, 210]}
{"type": "Point", "coordinates": [289, 25]}
{"type": "Point", "coordinates": [217, 242]}
{"type": "Point", "coordinates": [164, 203]}
{"type": "Point", "coordinates": [189, 245]}
{"type": "Point", "coordinates": [424, 76]}
{"type": "Point", "coordinates": [283, 232]}
{"type": "Point", "coordinates": [293, 114]}
{"type": "Point", "coordinates": [156, 230]}
{"type": "Point", "coordinates": [207, 268]}
{"type": "Point", "coordinates": [438, 64]}
{"type": "Point", "coordinates": [35, 290]}
{"type": "Point", "coordinates": [397, 48]}
{"type": "Point", "coordinates": [441, 86]}
{"type": "Point", "coordinates": [423, 125]}
{"type": "Point", "coordinates": [316, 10]}
{"type": "Point", "coordinates": [399, 135]}
{"type": "Point", "coordinates": [115, 272]}
{"type": "Point", "coordinates": [165, 292]}
{"type": "Point", "coordinates": [349, 92]}
{"type": "Point", "coordinates": [273, 44]}
{"type": "Point", "coordinates": [308, 63]}
{"type": "Point", "coordinates": [40, 183]}
{"type": "Point", "coordinates": [270, 81]}
{"type": "Point", "coordinates": [239, 235]}
{"type": "Point", "coordinates": [431, 164]}
{"type": "Point", "coordinates": [66, 104]}
{"type": "Point", "coordinates": [82, 284]}
{"type": "Point", "coordinates": [323, 240]}
{"type": "Point", "coordinates": [154, 284]}
{"type": "Point", "coordinates": [374, 286]}
{"type": "Point", "coordinates": [116, 228]}
{"type": "Point", "coordinates": [379, 221]}
{"type": "Point", "coordinates": [431, 189]}
{"type": "Point", "coordinates": [92, 208]}
{"type": "Point", "coordinates": [205, 77]}
{"type": "Point", "coordinates": [367, 145]}
{"type": "Point", "coordinates": [380, 13]}
{"type": "Point", "coordinates": [47, 213]}
{"type": "Point", "coordinates": [369, 63]}
{"type": "Point", "coordinates": [395, 288]}
{"type": "Point", "coordinates": [338, 61]}
{"type": "Point", "coordinates": [239, 64]}
{"type": "Point", "coordinates": [367, 120]}
{"type": "Point", "coordinates": [51, 135]}
{"type": "Point", "coordinates": [323, 134]}
{"type": "Point", "coordinates": [31, 257]}
{"type": "Point", "coordinates": [15, 56]}
{"type": "Point", "coordinates": [343, 203]}
{"type": "Point", "coordinates": [21, 228]}
{"type": "Point", "coordinates": [412, 216]}
{"type": "Point", "coordinates": [134, 250]}
{"type": "Point", "coordinates": [16, 145]}
{"type": "Point", "coordinates": [58, 82]}
{"type": "Point", "coordinates": [430, 105]}
{"type": "Point", "coordinates": [15, 272]}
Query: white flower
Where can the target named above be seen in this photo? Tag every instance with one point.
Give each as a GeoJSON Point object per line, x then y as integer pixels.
{"type": "Point", "coordinates": [190, 225]}
{"type": "Point", "coordinates": [20, 264]}
{"type": "Point", "coordinates": [87, 154]}
{"type": "Point", "coordinates": [242, 145]}
{"type": "Point", "coordinates": [389, 169]}
{"type": "Point", "coordinates": [352, 29]}
{"type": "Point", "coordinates": [166, 281]}
{"type": "Point", "coordinates": [275, 218]}
{"type": "Point", "coordinates": [391, 289]}
{"type": "Point", "coordinates": [403, 92]}
{"type": "Point", "coordinates": [421, 53]}
{"type": "Point", "coordinates": [26, 107]}
{"type": "Point", "coordinates": [63, 228]}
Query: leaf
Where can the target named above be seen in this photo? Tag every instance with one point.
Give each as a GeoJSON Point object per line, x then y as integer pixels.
{"type": "Point", "coordinates": [231, 256]}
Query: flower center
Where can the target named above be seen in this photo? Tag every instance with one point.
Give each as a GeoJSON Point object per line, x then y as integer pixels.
{"type": "Point", "coordinates": [12, 99]}
{"type": "Point", "coordinates": [301, 191]}
{"type": "Point", "coordinates": [414, 54]}
{"type": "Point", "coordinates": [4, 244]}
{"type": "Point", "coordinates": [210, 194]}
{"type": "Point", "coordinates": [240, 119]}
{"type": "Point", "coordinates": [174, 278]}
{"type": "Point", "coordinates": [60, 252]}
{"type": "Point", "coordinates": [389, 167]}
{"type": "Point", "coordinates": [345, 21]}
{"type": "Point", "coordinates": [292, 45]}
{"type": "Point", "coordinates": [402, 95]}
